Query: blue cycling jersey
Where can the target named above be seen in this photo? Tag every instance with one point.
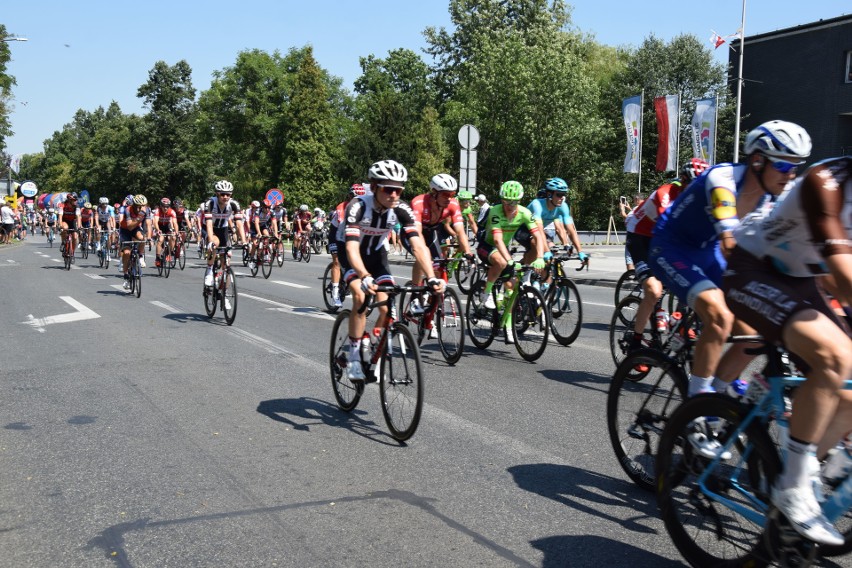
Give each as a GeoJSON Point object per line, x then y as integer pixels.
{"type": "Point", "coordinates": [705, 209]}
{"type": "Point", "coordinates": [539, 209]}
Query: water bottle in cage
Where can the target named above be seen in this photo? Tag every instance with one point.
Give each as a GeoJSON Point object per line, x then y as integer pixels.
{"type": "Point", "coordinates": [662, 320]}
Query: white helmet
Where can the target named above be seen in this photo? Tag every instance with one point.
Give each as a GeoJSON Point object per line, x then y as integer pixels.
{"type": "Point", "coordinates": [103, 201]}
{"type": "Point", "coordinates": [779, 139]}
{"type": "Point", "coordinates": [481, 198]}
{"type": "Point", "coordinates": [317, 210]}
{"type": "Point", "coordinates": [255, 204]}
{"type": "Point", "coordinates": [444, 182]}
{"type": "Point", "coordinates": [303, 207]}
{"type": "Point", "coordinates": [224, 186]}
{"type": "Point", "coordinates": [388, 170]}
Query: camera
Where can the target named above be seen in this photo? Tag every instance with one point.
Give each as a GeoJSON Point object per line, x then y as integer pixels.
{"type": "Point", "coordinates": [623, 199]}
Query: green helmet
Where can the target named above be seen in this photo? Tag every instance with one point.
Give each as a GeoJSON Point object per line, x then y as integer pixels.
{"type": "Point", "coordinates": [464, 194]}
{"type": "Point", "coordinates": [511, 190]}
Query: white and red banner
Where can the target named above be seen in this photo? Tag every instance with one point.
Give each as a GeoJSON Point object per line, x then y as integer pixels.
{"type": "Point", "coordinates": [631, 109]}
{"type": "Point", "coordinates": [668, 121]}
{"type": "Point", "coordinates": [704, 130]}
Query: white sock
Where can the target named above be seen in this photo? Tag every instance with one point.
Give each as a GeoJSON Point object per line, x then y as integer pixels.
{"type": "Point", "coordinates": [798, 465]}
{"type": "Point", "coordinates": [719, 384]}
{"type": "Point", "coordinates": [699, 384]}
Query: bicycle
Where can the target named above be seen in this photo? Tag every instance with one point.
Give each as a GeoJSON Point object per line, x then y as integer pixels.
{"type": "Point", "coordinates": [627, 286]}
{"type": "Point", "coordinates": [657, 334]}
{"type": "Point", "coordinates": [443, 314]}
{"type": "Point", "coordinates": [165, 261]}
{"type": "Point", "coordinates": [104, 249]}
{"type": "Point", "coordinates": [134, 267]}
{"type": "Point", "coordinates": [731, 492]}
{"type": "Point", "coordinates": [262, 256]}
{"type": "Point", "coordinates": [280, 249]}
{"type": "Point", "coordinates": [304, 250]}
{"type": "Point", "coordinates": [393, 361]}
{"type": "Point", "coordinates": [522, 313]}
{"type": "Point", "coordinates": [51, 235]}
{"type": "Point", "coordinates": [67, 248]}
{"type": "Point", "coordinates": [467, 272]}
{"type": "Point", "coordinates": [562, 298]}
{"type": "Point", "coordinates": [328, 289]}
{"type": "Point", "coordinates": [179, 254]}
{"type": "Point", "coordinates": [84, 242]}
{"type": "Point", "coordinates": [224, 290]}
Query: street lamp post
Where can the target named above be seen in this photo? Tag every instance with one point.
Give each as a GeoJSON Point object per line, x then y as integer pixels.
{"type": "Point", "coordinates": [7, 40]}
{"type": "Point", "coordinates": [15, 39]}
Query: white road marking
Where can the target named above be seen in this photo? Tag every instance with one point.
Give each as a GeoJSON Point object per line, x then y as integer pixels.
{"type": "Point", "coordinates": [81, 313]}
{"type": "Point", "coordinates": [166, 307]}
{"type": "Point", "coordinates": [305, 311]}
{"type": "Point", "coordinates": [291, 284]}
{"type": "Point", "coordinates": [94, 276]}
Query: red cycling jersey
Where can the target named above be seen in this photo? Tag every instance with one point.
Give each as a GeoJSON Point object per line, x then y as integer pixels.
{"type": "Point", "coordinates": [163, 218]}
{"type": "Point", "coordinates": [426, 210]}
{"type": "Point", "coordinates": [69, 212]}
{"type": "Point", "coordinates": [644, 216]}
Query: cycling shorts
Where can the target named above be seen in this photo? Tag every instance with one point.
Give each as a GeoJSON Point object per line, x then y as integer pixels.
{"type": "Point", "coordinates": [71, 224]}
{"type": "Point", "coordinates": [85, 224]}
{"type": "Point", "coordinates": [524, 238]}
{"type": "Point", "coordinates": [376, 265]}
{"type": "Point", "coordinates": [766, 299]}
{"type": "Point", "coordinates": [433, 236]}
{"type": "Point", "coordinates": [126, 235]}
{"type": "Point", "coordinates": [638, 247]}
{"type": "Point", "coordinates": [686, 271]}
{"type": "Point", "coordinates": [332, 247]}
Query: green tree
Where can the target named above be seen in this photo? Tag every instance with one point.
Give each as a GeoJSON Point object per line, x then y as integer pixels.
{"type": "Point", "coordinates": [6, 83]}
{"type": "Point", "coordinates": [430, 151]}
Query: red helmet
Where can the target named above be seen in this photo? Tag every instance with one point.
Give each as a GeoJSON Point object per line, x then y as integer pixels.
{"type": "Point", "coordinates": [357, 190]}
{"type": "Point", "coordinates": [693, 168]}
{"type": "Point", "coordinates": [165, 202]}
{"type": "Point", "coordinates": [267, 203]}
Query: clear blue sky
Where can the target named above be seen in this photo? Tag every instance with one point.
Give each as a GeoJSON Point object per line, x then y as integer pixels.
{"type": "Point", "coordinates": [86, 53]}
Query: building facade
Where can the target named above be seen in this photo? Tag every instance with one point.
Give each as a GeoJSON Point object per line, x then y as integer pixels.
{"type": "Point", "coordinates": [801, 74]}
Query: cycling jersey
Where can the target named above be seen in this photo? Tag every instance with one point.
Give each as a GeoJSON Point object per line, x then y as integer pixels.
{"type": "Point", "coordinates": [183, 222]}
{"type": "Point", "coordinates": [86, 217]}
{"type": "Point", "coordinates": [539, 209]}
{"type": "Point", "coordinates": [810, 221]}
{"type": "Point", "coordinates": [133, 213]}
{"type": "Point", "coordinates": [501, 227]}
{"type": "Point", "coordinates": [424, 210]}
{"type": "Point", "coordinates": [264, 218]}
{"type": "Point", "coordinates": [337, 215]}
{"type": "Point", "coordinates": [220, 215]}
{"type": "Point", "coordinates": [164, 219]}
{"type": "Point", "coordinates": [643, 217]}
{"type": "Point", "coordinates": [303, 221]}
{"type": "Point", "coordinates": [363, 223]}
{"type": "Point", "coordinates": [69, 212]}
{"type": "Point", "coordinates": [104, 214]}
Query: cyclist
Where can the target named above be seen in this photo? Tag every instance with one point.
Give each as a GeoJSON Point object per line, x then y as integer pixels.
{"type": "Point", "coordinates": [368, 220]}
{"type": "Point", "coordinates": [640, 226]}
{"type": "Point", "coordinates": [501, 225]}
{"type": "Point", "coordinates": [248, 219]}
{"type": "Point", "coordinates": [356, 190]}
{"type": "Point", "coordinates": [468, 217]}
{"type": "Point", "coordinates": [70, 220]}
{"type": "Point", "coordinates": [692, 237]}
{"type": "Point", "coordinates": [554, 218]}
{"type": "Point", "coordinates": [165, 219]}
{"type": "Point", "coordinates": [280, 214]}
{"type": "Point", "coordinates": [431, 211]}
{"type": "Point", "coordinates": [87, 214]}
{"type": "Point", "coordinates": [219, 211]}
{"type": "Point", "coordinates": [132, 228]}
{"type": "Point", "coordinates": [50, 220]}
{"type": "Point", "coordinates": [771, 283]}
{"type": "Point", "coordinates": [301, 226]}
{"type": "Point", "coordinates": [104, 215]}
{"type": "Point", "coordinates": [264, 222]}
{"type": "Point", "coordinates": [183, 218]}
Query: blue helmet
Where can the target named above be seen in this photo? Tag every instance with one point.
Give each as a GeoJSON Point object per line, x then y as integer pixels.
{"type": "Point", "coordinates": [556, 185]}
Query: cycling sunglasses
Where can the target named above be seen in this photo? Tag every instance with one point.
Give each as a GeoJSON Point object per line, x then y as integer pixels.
{"type": "Point", "coordinates": [390, 189]}
{"type": "Point", "coordinates": [783, 166]}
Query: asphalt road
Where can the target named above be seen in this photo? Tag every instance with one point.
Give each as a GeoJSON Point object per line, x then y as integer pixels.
{"type": "Point", "coordinates": [151, 435]}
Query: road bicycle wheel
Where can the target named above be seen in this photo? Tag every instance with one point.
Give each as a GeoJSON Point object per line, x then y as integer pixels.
{"type": "Point", "coordinates": [174, 253]}
{"type": "Point", "coordinates": [245, 256]}
{"type": "Point", "coordinates": [211, 300]}
{"type": "Point", "coordinates": [166, 260]}
{"type": "Point", "coordinates": [295, 251]}
{"type": "Point", "coordinates": [627, 285]}
{"type": "Point", "coordinates": [327, 289]}
{"type": "Point", "coordinates": [306, 253]}
{"type": "Point", "coordinates": [107, 256]}
{"type": "Point", "coordinates": [481, 322]}
{"type": "Point", "coordinates": [253, 263]}
{"type": "Point", "coordinates": [137, 277]}
{"type": "Point", "coordinates": [84, 245]}
{"type": "Point", "coordinates": [566, 310]}
{"type": "Point", "coordinates": [704, 530]}
{"type": "Point", "coordinates": [132, 275]}
{"type": "Point", "coordinates": [401, 384]}
{"type": "Point", "coordinates": [621, 328]}
{"type": "Point", "coordinates": [279, 253]}
{"type": "Point", "coordinates": [637, 411]}
{"type": "Point", "coordinates": [50, 238]}
{"type": "Point", "coordinates": [180, 255]}
{"type": "Point", "coordinates": [464, 275]}
{"type": "Point", "coordinates": [101, 255]}
{"type": "Point", "coordinates": [346, 392]}
{"type": "Point", "coordinates": [266, 261]}
{"type": "Point", "coordinates": [66, 255]}
{"type": "Point", "coordinates": [450, 323]}
{"type": "Point", "coordinates": [229, 296]}
{"type": "Point", "coordinates": [530, 323]}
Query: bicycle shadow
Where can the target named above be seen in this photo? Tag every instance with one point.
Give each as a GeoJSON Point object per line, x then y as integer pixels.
{"type": "Point", "coordinates": [582, 551]}
{"type": "Point", "coordinates": [193, 317]}
{"type": "Point", "coordinates": [588, 492]}
{"type": "Point", "coordinates": [314, 412]}
{"type": "Point", "coordinates": [589, 381]}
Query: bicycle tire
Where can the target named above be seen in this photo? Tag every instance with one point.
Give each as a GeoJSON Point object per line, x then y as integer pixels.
{"type": "Point", "coordinates": [67, 258]}
{"type": "Point", "coordinates": [401, 385]}
{"type": "Point", "coordinates": [138, 279]}
{"type": "Point", "coordinates": [181, 256]}
{"type": "Point", "coordinates": [627, 285]}
{"type": "Point", "coordinates": [621, 329]}
{"type": "Point", "coordinates": [167, 264]}
{"type": "Point", "coordinates": [279, 253]}
{"type": "Point", "coordinates": [637, 411]}
{"type": "Point", "coordinates": [161, 258]}
{"type": "Point", "coordinates": [326, 289]}
{"type": "Point", "coordinates": [704, 530]}
{"type": "Point", "coordinates": [307, 254]}
{"type": "Point", "coordinates": [253, 260]}
{"type": "Point", "coordinates": [211, 301]}
{"type": "Point", "coordinates": [346, 393]}
{"type": "Point", "coordinates": [132, 280]}
{"type": "Point", "coordinates": [464, 276]}
{"type": "Point", "coordinates": [107, 258]}
{"type": "Point", "coordinates": [565, 307]}
{"type": "Point", "coordinates": [530, 323]}
{"type": "Point", "coordinates": [229, 293]}
{"type": "Point", "coordinates": [174, 253]}
{"type": "Point", "coordinates": [266, 261]}
{"type": "Point", "coordinates": [481, 322]}
{"type": "Point", "coordinates": [450, 323]}
{"type": "Point", "coordinates": [245, 258]}
{"type": "Point", "coordinates": [84, 247]}
{"type": "Point", "coordinates": [101, 255]}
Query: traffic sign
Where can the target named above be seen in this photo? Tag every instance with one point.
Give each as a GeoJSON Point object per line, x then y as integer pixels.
{"type": "Point", "coordinates": [275, 195]}
{"type": "Point", "coordinates": [468, 137]}
{"type": "Point", "coordinates": [29, 189]}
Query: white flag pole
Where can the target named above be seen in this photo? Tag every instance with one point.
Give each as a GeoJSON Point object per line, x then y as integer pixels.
{"type": "Point", "coordinates": [739, 88]}
{"type": "Point", "coordinates": [641, 130]}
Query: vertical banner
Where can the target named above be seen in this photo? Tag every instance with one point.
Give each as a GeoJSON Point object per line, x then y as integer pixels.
{"type": "Point", "coordinates": [668, 111]}
{"type": "Point", "coordinates": [631, 109]}
{"type": "Point", "coordinates": [704, 130]}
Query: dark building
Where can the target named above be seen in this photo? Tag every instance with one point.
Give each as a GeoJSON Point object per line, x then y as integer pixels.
{"type": "Point", "coordinates": [801, 74]}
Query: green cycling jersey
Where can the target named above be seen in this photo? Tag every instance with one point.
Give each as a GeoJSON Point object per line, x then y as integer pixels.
{"type": "Point", "coordinates": [500, 226]}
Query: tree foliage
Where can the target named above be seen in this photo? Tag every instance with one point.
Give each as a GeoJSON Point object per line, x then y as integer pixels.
{"type": "Point", "coordinates": [6, 83]}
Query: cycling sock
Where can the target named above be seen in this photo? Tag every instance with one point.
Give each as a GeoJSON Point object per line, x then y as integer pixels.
{"type": "Point", "coordinates": [720, 385]}
{"type": "Point", "coordinates": [488, 287]}
{"type": "Point", "coordinates": [797, 466]}
{"type": "Point", "coordinates": [698, 385]}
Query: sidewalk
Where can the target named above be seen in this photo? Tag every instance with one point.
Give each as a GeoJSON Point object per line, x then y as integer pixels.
{"type": "Point", "coordinates": [606, 265]}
